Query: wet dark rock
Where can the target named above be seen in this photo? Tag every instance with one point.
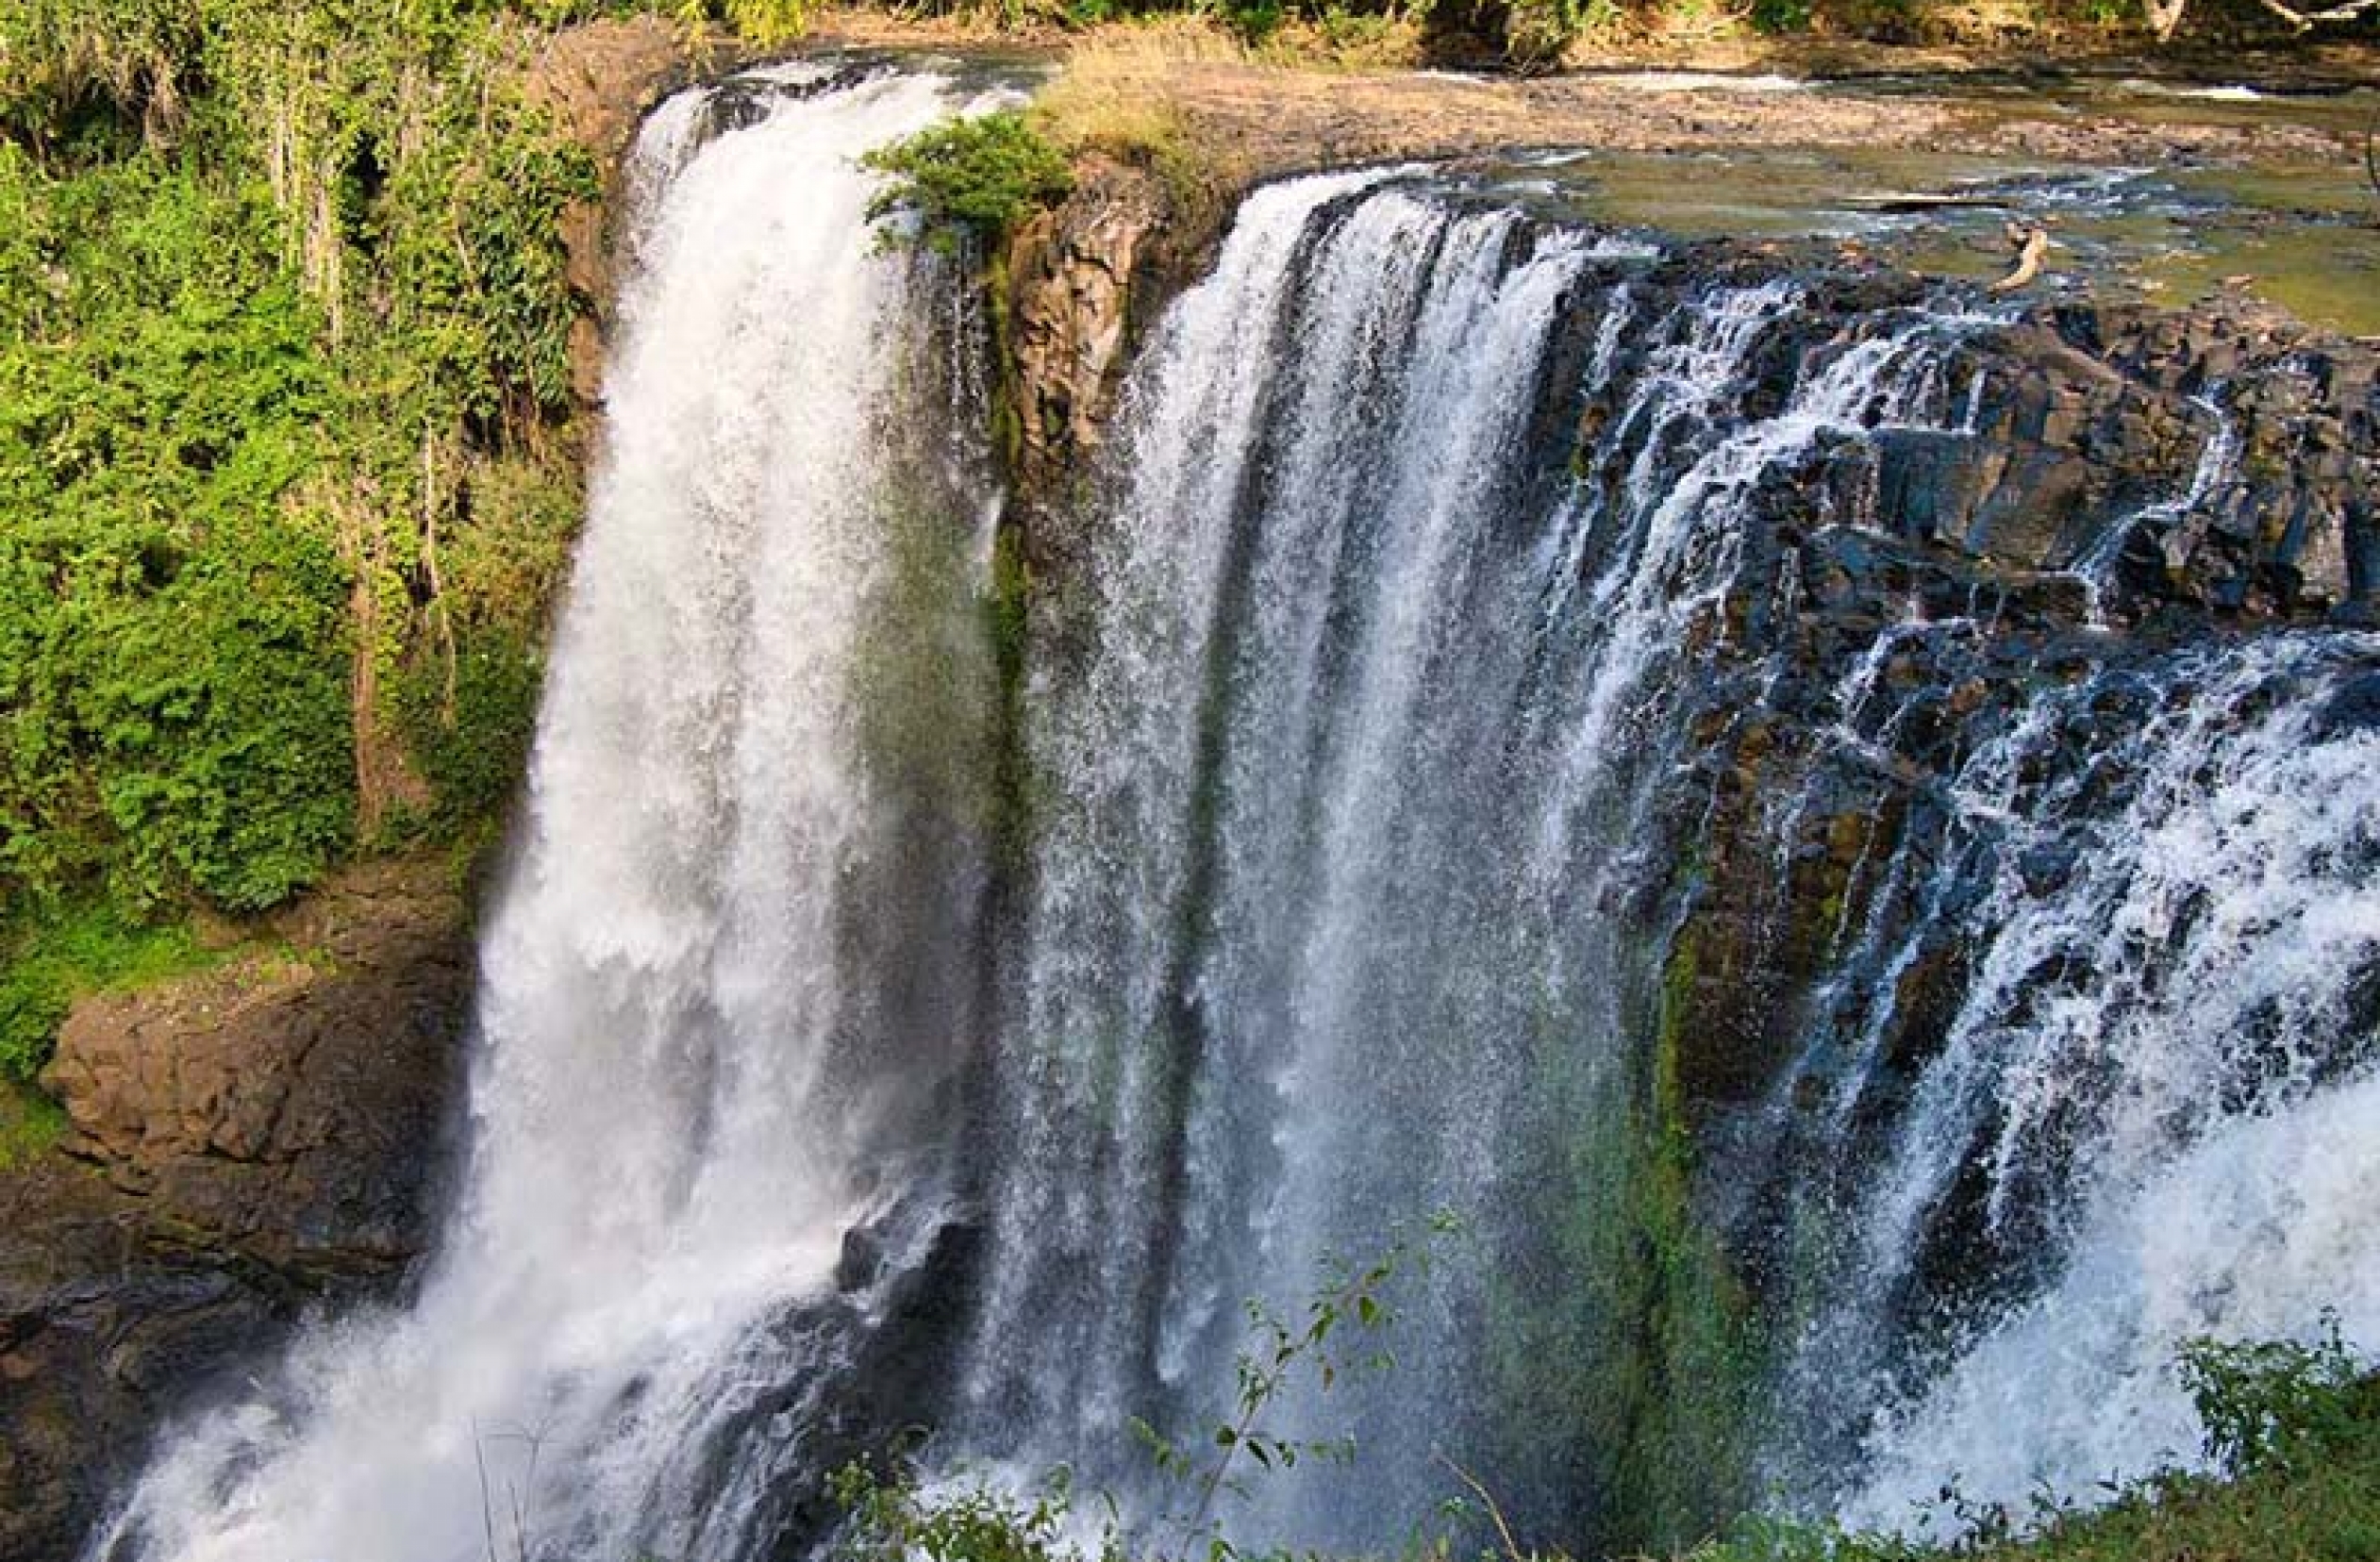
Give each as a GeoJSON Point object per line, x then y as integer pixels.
{"type": "Point", "coordinates": [2354, 708]}
{"type": "Point", "coordinates": [866, 1372]}
{"type": "Point", "coordinates": [2110, 482]}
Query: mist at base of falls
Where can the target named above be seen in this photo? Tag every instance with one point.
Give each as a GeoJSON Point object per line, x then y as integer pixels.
{"type": "Point", "coordinates": [1373, 849]}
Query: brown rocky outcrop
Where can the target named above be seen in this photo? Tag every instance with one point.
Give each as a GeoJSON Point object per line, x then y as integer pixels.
{"type": "Point", "coordinates": [245, 1143]}
{"type": "Point", "coordinates": [1074, 275]}
{"type": "Point", "coordinates": [598, 81]}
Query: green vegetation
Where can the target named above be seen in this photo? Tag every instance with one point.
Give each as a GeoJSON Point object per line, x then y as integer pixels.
{"type": "Point", "coordinates": [31, 1122]}
{"type": "Point", "coordinates": [971, 181]}
{"type": "Point", "coordinates": [2293, 1431]}
{"type": "Point", "coordinates": [1539, 34]}
{"type": "Point", "coordinates": [765, 23]}
{"type": "Point", "coordinates": [286, 472]}
{"type": "Point", "coordinates": [1336, 1338]}
{"type": "Point", "coordinates": [58, 958]}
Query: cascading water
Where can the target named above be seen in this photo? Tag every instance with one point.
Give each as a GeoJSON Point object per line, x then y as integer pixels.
{"type": "Point", "coordinates": [1361, 753]}
{"type": "Point", "coordinates": [732, 963]}
{"type": "Point", "coordinates": [1347, 796]}
{"type": "Point", "coordinates": [2159, 1071]}
{"type": "Point", "coordinates": [1472, 606]}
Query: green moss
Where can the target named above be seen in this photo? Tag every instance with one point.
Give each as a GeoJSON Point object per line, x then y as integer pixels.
{"type": "Point", "coordinates": [1627, 1368]}
{"type": "Point", "coordinates": [1679, 974]}
{"type": "Point", "coordinates": [31, 1122]}
{"type": "Point", "coordinates": [90, 948]}
{"type": "Point", "coordinates": [1007, 611]}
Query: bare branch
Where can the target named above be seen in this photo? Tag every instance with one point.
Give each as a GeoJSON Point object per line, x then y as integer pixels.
{"type": "Point", "coordinates": [2166, 15]}
{"type": "Point", "coordinates": [487, 1508]}
{"type": "Point", "coordinates": [2305, 21]}
{"type": "Point", "coordinates": [1504, 1532]}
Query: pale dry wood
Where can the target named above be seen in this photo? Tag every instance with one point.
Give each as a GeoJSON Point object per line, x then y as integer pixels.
{"type": "Point", "coordinates": [2033, 248]}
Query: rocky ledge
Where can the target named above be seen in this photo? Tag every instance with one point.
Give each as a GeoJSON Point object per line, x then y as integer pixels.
{"type": "Point", "coordinates": [245, 1144]}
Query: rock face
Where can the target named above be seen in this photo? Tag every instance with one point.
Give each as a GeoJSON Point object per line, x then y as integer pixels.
{"type": "Point", "coordinates": [2126, 480]}
{"type": "Point", "coordinates": [1083, 282]}
{"type": "Point", "coordinates": [2093, 487]}
{"type": "Point", "coordinates": [598, 80]}
{"type": "Point", "coordinates": [245, 1144]}
{"type": "Point", "coordinates": [2094, 402]}
{"type": "Point", "coordinates": [1070, 308]}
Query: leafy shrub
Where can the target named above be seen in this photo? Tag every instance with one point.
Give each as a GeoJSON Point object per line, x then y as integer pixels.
{"type": "Point", "coordinates": [970, 181]}
{"type": "Point", "coordinates": [172, 692]}
{"type": "Point", "coordinates": [893, 1520]}
{"type": "Point", "coordinates": [475, 253]}
{"type": "Point", "coordinates": [771, 23]}
{"type": "Point", "coordinates": [1255, 20]}
{"type": "Point", "coordinates": [474, 741]}
{"type": "Point", "coordinates": [1536, 31]}
{"type": "Point", "coordinates": [2280, 1405]}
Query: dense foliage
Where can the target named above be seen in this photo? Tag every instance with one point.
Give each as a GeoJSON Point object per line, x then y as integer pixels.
{"type": "Point", "coordinates": [286, 469]}
{"type": "Point", "coordinates": [285, 480]}
{"type": "Point", "coordinates": [971, 180]}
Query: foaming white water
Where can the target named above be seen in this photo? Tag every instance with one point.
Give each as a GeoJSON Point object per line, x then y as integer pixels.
{"type": "Point", "coordinates": [2236, 1239]}
{"type": "Point", "coordinates": [2166, 1045]}
{"type": "Point", "coordinates": [2176, 523]}
{"type": "Point", "coordinates": [671, 1107]}
{"type": "Point", "coordinates": [1355, 716]}
{"type": "Point", "coordinates": [1104, 909]}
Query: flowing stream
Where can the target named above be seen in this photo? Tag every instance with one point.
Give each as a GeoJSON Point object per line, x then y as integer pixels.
{"type": "Point", "coordinates": [1370, 825]}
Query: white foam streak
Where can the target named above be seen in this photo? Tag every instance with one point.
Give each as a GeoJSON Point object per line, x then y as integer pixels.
{"type": "Point", "coordinates": [2152, 1047]}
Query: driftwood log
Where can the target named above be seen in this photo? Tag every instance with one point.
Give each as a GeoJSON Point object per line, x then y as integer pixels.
{"type": "Point", "coordinates": [2032, 245]}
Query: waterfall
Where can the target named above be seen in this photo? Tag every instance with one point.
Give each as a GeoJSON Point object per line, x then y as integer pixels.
{"type": "Point", "coordinates": [1434, 543]}
{"type": "Point", "coordinates": [730, 967]}
{"type": "Point", "coordinates": [2159, 1070]}
{"type": "Point", "coordinates": [1507, 747]}
{"type": "Point", "coordinates": [1349, 750]}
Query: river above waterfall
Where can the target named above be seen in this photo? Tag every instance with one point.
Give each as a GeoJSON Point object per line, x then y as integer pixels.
{"type": "Point", "coordinates": [2298, 232]}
